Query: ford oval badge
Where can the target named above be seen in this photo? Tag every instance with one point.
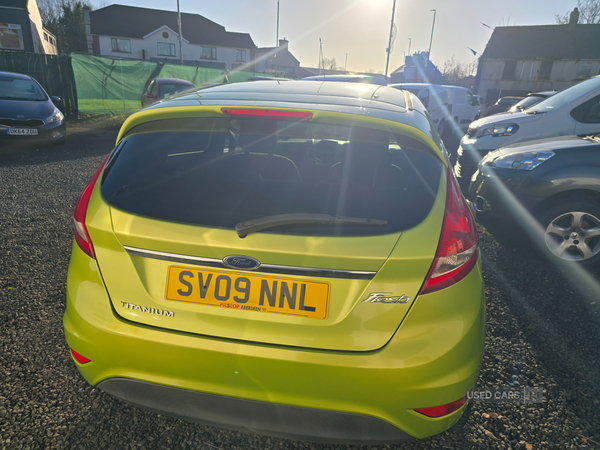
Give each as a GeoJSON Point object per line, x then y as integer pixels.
{"type": "Point", "coordinates": [241, 262]}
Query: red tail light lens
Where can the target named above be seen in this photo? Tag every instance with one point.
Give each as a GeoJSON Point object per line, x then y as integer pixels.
{"type": "Point", "coordinates": [458, 248]}
{"type": "Point", "coordinates": [276, 113]}
{"type": "Point", "coordinates": [442, 410]}
{"type": "Point", "coordinates": [82, 237]}
{"type": "Point", "coordinates": [80, 359]}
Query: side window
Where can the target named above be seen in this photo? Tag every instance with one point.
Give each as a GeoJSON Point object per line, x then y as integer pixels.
{"type": "Point", "coordinates": [424, 97]}
{"type": "Point", "coordinates": [588, 112]}
{"type": "Point", "coordinates": [460, 97]}
{"type": "Point", "coordinates": [153, 88]}
{"type": "Point", "coordinates": [470, 99]}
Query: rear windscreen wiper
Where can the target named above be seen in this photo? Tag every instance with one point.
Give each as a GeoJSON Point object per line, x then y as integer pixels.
{"type": "Point", "coordinates": [247, 227]}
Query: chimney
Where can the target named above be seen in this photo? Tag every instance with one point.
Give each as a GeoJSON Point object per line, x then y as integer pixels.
{"type": "Point", "coordinates": [283, 43]}
{"type": "Point", "coordinates": [574, 17]}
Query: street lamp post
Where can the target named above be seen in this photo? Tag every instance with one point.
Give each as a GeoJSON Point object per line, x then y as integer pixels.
{"type": "Point", "coordinates": [180, 36]}
{"type": "Point", "coordinates": [389, 49]}
{"type": "Point", "coordinates": [409, 42]}
{"type": "Point", "coordinates": [431, 40]}
{"type": "Point", "coordinates": [277, 38]}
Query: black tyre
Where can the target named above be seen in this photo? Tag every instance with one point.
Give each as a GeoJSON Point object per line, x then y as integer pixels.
{"type": "Point", "coordinates": [571, 232]}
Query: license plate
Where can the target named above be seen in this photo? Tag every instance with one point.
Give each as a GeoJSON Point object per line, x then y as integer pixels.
{"type": "Point", "coordinates": [23, 131]}
{"type": "Point", "coordinates": [248, 292]}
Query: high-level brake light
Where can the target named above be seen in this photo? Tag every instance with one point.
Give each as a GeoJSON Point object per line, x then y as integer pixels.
{"type": "Point", "coordinates": [275, 113]}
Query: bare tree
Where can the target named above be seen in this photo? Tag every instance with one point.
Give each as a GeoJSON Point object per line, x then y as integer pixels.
{"type": "Point", "coordinates": [458, 73]}
{"type": "Point", "coordinates": [589, 12]}
{"type": "Point", "coordinates": [329, 64]}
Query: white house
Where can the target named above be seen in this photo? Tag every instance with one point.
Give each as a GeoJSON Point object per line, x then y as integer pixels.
{"type": "Point", "coordinates": [151, 34]}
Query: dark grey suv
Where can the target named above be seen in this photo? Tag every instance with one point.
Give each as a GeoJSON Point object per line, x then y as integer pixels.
{"type": "Point", "coordinates": [554, 181]}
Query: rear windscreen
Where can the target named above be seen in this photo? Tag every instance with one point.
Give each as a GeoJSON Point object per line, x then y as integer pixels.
{"type": "Point", "coordinates": [220, 172]}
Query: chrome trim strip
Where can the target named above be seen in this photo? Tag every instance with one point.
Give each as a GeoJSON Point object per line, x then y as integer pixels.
{"type": "Point", "coordinates": [264, 268]}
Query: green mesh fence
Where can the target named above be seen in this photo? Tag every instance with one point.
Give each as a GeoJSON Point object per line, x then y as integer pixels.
{"type": "Point", "coordinates": [106, 85]}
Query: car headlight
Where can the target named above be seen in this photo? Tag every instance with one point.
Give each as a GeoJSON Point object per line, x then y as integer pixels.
{"type": "Point", "coordinates": [56, 116]}
{"type": "Point", "coordinates": [500, 130]}
{"type": "Point", "coordinates": [521, 161]}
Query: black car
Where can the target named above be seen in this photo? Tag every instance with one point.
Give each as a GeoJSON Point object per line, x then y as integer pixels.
{"type": "Point", "coordinates": [555, 182]}
{"type": "Point", "coordinates": [27, 113]}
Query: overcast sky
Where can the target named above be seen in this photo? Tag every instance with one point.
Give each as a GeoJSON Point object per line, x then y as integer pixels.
{"type": "Point", "coordinates": [360, 28]}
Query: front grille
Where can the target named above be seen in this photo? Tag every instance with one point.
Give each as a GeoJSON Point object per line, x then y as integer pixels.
{"type": "Point", "coordinates": [471, 131]}
{"type": "Point", "coordinates": [31, 123]}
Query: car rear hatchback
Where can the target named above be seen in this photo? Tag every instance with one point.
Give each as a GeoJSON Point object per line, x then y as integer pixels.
{"type": "Point", "coordinates": [291, 260]}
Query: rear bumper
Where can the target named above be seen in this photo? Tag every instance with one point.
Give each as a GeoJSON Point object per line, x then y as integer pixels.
{"type": "Point", "coordinates": [325, 396]}
{"type": "Point", "coordinates": [290, 422]}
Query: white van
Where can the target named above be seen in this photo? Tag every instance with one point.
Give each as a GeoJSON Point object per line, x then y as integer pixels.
{"type": "Point", "coordinates": [434, 98]}
{"type": "Point", "coordinates": [462, 107]}
{"type": "Point", "coordinates": [445, 104]}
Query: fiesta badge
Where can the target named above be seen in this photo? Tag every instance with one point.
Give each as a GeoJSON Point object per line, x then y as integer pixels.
{"type": "Point", "coordinates": [241, 262]}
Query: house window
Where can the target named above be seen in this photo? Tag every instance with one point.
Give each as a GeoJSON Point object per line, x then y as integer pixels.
{"type": "Point", "coordinates": [240, 55]}
{"type": "Point", "coordinates": [11, 36]}
{"type": "Point", "coordinates": [166, 49]}
{"type": "Point", "coordinates": [546, 69]}
{"type": "Point", "coordinates": [208, 53]}
{"type": "Point", "coordinates": [584, 70]}
{"type": "Point", "coordinates": [46, 37]}
{"type": "Point", "coordinates": [510, 67]}
{"type": "Point", "coordinates": [121, 45]}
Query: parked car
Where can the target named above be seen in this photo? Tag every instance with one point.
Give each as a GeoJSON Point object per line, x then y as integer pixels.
{"type": "Point", "coordinates": [572, 111]}
{"type": "Point", "coordinates": [27, 113]}
{"type": "Point", "coordinates": [530, 100]}
{"type": "Point", "coordinates": [557, 180]}
{"type": "Point", "coordinates": [483, 109]}
{"type": "Point", "coordinates": [160, 88]}
{"type": "Point", "coordinates": [329, 289]}
{"type": "Point", "coordinates": [463, 109]}
{"type": "Point", "coordinates": [503, 104]}
{"type": "Point", "coordinates": [369, 79]}
{"type": "Point", "coordinates": [434, 98]}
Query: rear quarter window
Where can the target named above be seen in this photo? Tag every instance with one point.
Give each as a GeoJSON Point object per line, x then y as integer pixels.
{"type": "Point", "coordinates": [219, 172]}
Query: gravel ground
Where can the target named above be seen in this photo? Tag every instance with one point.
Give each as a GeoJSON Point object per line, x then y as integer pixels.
{"type": "Point", "coordinates": [543, 331]}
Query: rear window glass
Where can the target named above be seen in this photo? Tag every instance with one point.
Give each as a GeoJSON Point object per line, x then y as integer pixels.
{"type": "Point", "coordinates": [220, 172]}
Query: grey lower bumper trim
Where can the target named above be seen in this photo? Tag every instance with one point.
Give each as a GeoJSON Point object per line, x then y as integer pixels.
{"type": "Point", "coordinates": [290, 422]}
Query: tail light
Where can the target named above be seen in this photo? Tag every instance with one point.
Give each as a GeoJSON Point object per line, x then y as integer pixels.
{"type": "Point", "coordinates": [82, 237]}
{"type": "Point", "coordinates": [449, 108]}
{"type": "Point", "coordinates": [442, 410]}
{"type": "Point", "coordinates": [458, 248]}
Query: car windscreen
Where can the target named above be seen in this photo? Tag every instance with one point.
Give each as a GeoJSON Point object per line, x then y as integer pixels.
{"type": "Point", "coordinates": [566, 96]}
{"type": "Point", "coordinates": [527, 102]}
{"type": "Point", "coordinates": [221, 172]}
{"type": "Point", "coordinates": [169, 89]}
{"type": "Point", "coordinates": [20, 89]}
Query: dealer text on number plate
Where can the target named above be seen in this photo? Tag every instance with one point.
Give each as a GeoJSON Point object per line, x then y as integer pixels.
{"type": "Point", "coordinates": [249, 292]}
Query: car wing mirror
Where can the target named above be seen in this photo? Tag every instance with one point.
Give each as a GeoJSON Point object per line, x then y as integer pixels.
{"type": "Point", "coordinates": [55, 99]}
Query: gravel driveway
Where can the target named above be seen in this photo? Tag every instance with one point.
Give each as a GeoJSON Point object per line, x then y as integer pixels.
{"type": "Point", "coordinates": [543, 331]}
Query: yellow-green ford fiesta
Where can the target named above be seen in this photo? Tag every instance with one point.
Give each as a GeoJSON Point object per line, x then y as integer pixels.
{"type": "Point", "coordinates": [289, 258]}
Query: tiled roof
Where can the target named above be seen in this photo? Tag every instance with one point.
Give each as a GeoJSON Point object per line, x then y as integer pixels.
{"type": "Point", "coordinates": [545, 41]}
{"type": "Point", "coordinates": [133, 22]}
